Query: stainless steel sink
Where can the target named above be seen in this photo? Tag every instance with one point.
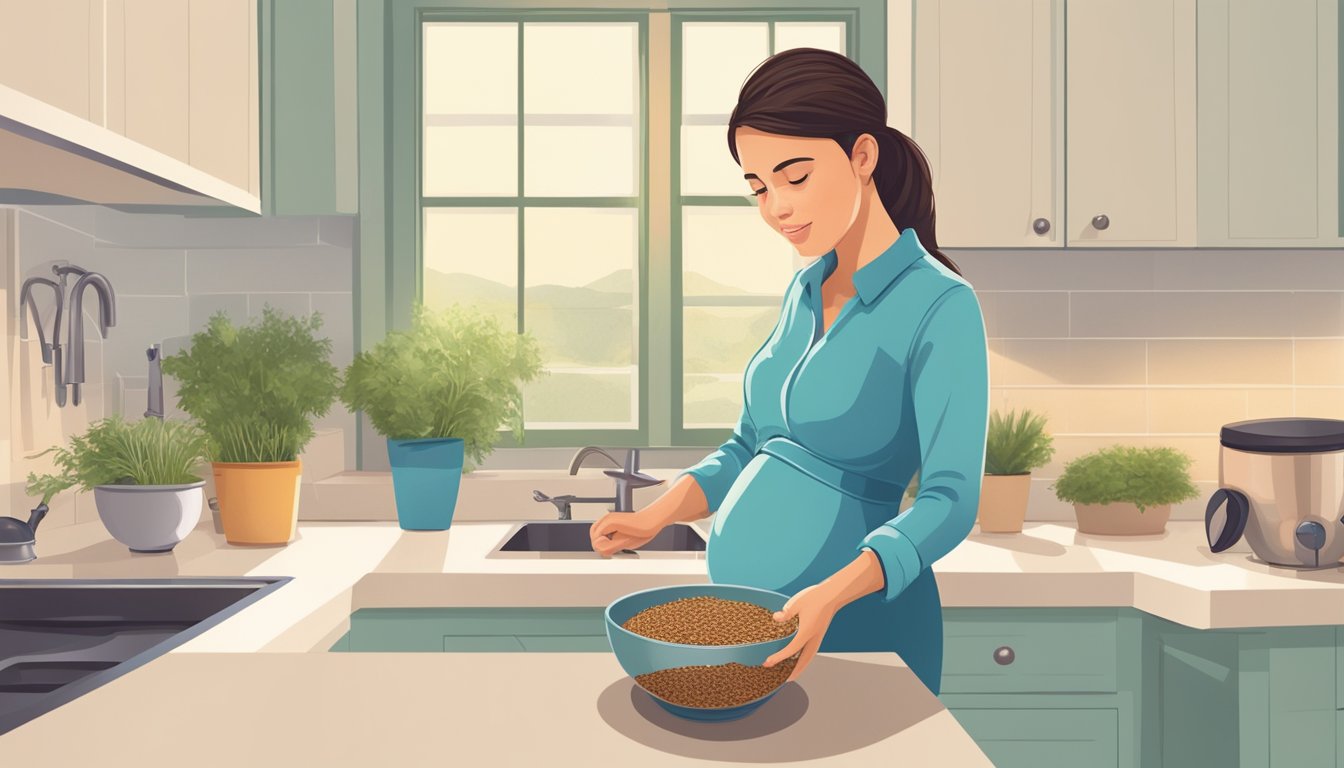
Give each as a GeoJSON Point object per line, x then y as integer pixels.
{"type": "Point", "coordinates": [570, 539]}
{"type": "Point", "coordinates": [61, 638]}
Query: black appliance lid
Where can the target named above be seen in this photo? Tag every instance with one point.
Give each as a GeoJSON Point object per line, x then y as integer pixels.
{"type": "Point", "coordinates": [1285, 435]}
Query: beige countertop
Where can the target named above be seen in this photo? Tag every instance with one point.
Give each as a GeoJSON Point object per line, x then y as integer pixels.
{"type": "Point", "coordinates": [338, 568]}
{"type": "Point", "coordinates": [480, 709]}
{"type": "Point", "coordinates": [471, 702]}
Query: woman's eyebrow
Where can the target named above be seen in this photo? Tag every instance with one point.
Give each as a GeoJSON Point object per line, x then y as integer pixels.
{"type": "Point", "coordinates": [779, 167]}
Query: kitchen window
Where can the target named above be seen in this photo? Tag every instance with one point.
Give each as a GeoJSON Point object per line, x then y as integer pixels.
{"type": "Point", "coordinates": [571, 177]}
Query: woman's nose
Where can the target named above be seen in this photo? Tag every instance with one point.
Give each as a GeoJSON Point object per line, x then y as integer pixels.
{"type": "Point", "coordinates": [779, 207]}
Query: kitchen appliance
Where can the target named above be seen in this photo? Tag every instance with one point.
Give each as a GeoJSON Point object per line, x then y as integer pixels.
{"type": "Point", "coordinates": [1281, 482]}
{"type": "Point", "coordinates": [18, 537]}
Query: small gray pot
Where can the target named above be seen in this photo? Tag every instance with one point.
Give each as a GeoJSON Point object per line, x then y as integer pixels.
{"type": "Point", "coordinates": [149, 518]}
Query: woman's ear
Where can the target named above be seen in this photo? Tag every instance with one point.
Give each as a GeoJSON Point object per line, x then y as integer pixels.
{"type": "Point", "coordinates": [863, 157]}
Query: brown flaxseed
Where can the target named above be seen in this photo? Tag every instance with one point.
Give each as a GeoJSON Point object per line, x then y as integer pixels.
{"type": "Point", "coordinates": [707, 620]}
{"type": "Point", "coordinates": [725, 685]}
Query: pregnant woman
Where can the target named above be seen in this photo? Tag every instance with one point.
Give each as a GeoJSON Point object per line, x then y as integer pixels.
{"type": "Point", "coordinates": [877, 368]}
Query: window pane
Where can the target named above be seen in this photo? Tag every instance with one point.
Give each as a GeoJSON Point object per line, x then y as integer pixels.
{"type": "Point", "coordinates": [471, 257]}
{"type": "Point", "coordinates": [471, 69]}
{"type": "Point", "coordinates": [716, 59]}
{"type": "Point", "coordinates": [569, 161]}
{"type": "Point", "coordinates": [726, 253]}
{"type": "Point", "coordinates": [582, 305]}
{"type": "Point", "coordinates": [575, 69]}
{"type": "Point", "coordinates": [826, 35]}
{"type": "Point", "coordinates": [471, 160]}
{"type": "Point", "coordinates": [707, 167]}
{"type": "Point", "coordinates": [720, 342]}
{"type": "Point", "coordinates": [732, 252]}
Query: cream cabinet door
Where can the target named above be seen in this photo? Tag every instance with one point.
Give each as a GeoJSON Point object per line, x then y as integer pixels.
{"type": "Point", "coordinates": [1130, 74]}
{"type": "Point", "coordinates": [1269, 123]}
{"type": "Point", "coordinates": [148, 73]}
{"type": "Point", "coordinates": [987, 114]}
{"type": "Point", "coordinates": [52, 50]}
{"type": "Point", "coordinates": [220, 88]}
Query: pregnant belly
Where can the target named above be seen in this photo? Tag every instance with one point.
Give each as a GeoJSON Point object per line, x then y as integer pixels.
{"type": "Point", "coordinates": [779, 528]}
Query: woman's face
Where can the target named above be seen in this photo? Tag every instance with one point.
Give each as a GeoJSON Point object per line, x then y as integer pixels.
{"type": "Point", "coordinates": [807, 189]}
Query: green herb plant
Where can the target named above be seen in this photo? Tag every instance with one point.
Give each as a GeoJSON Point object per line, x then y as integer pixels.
{"type": "Point", "coordinates": [255, 389]}
{"type": "Point", "coordinates": [1014, 445]}
{"type": "Point", "coordinates": [1143, 476]}
{"type": "Point", "coordinates": [116, 452]}
{"type": "Point", "coordinates": [454, 373]}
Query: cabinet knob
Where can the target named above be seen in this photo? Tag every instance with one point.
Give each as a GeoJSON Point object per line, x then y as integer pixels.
{"type": "Point", "coordinates": [1004, 655]}
{"type": "Point", "coordinates": [1101, 222]}
{"type": "Point", "coordinates": [1041, 226]}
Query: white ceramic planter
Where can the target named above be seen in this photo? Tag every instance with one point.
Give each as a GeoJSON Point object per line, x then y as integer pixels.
{"type": "Point", "coordinates": [149, 518]}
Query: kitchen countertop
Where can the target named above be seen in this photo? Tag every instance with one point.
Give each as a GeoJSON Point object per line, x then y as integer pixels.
{"type": "Point", "coordinates": [496, 709]}
{"type": "Point", "coordinates": [279, 643]}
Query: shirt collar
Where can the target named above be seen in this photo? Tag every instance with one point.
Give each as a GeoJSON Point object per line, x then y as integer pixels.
{"type": "Point", "coordinates": [873, 278]}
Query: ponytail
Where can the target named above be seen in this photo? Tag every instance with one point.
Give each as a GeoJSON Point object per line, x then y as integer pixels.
{"type": "Point", "coordinates": [905, 186]}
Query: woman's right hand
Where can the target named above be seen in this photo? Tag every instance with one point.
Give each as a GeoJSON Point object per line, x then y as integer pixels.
{"type": "Point", "coordinates": [616, 531]}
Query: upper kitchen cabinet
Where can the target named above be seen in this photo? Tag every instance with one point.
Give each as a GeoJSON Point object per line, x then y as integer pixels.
{"type": "Point", "coordinates": [987, 116]}
{"type": "Point", "coordinates": [309, 110]}
{"type": "Point", "coordinates": [130, 102]}
{"type": "Point", "coordinates": [1269, 123]}
{"type": "Point", "coordinates": [53, 52]}
{"type": "Point", "coordinates": [1130, 147]}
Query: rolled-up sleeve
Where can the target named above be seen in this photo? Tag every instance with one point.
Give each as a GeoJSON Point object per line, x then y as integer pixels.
{"type": "Point", "coordinates": [948, 373]}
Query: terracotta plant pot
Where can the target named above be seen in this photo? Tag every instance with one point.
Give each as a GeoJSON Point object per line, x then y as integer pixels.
{"type": "Point", "coordinates": [258, 502]}
{"type": "Point", "coordinates": [1118, 519]}
{"type": "Point", "coordinates": [1003, 503]}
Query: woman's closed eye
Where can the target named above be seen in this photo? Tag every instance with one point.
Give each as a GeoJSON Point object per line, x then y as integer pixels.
{"type": "Point", "coordinates": [800, 181]}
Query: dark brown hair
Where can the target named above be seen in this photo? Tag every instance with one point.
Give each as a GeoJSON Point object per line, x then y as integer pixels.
{"type": "Point", "coordinates": [821, 94]}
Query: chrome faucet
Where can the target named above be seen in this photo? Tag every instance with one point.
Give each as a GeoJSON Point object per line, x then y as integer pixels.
{"type": "Point", "coordinates": [26, 300]}
{"type": "Point", "coordinates": [628, 478]}
{"type": "Point", "coordinates": [107, 317]}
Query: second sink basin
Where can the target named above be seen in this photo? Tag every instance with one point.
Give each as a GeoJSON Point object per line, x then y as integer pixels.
{"type": "Point", "coordinates": [570, 538]}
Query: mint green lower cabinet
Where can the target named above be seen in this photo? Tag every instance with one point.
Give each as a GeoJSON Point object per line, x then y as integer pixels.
{"type": "Point", "coordinates": [1044, 738]}
{"type": "Point", "coordinates": [1045, 687]}
{"type": "Point", "coordinates": [1250, 698]}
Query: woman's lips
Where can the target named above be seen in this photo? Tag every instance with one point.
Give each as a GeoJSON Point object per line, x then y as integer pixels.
{"type": "Point", "coordinates": [796, 234]}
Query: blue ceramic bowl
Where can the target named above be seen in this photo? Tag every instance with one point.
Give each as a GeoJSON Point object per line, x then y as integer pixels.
{"type": "Point", "coordinates": [640, 655]}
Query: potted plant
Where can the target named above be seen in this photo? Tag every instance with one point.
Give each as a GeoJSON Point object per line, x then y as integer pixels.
{"type": "Point", "coordinates": [255, 390]}
{"type": "Point", "coordinates": [439, 393]}
{"type": "Point", "coordinates": [1125, 490]}
{"type": "Point", "coordinates": [1014, 445]}
{"type": "Point", "coordinates": [143, 478]}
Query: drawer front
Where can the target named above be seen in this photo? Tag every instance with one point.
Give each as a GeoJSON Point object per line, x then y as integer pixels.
{"type": "Point", "coordinates": [558, 643]}
{"type": "Point", "coordinates": [1029, 651]}
{"type": "Point", "coordinates": [1035, 738]}
{"type": "Point", "coordinates": [482, 643]}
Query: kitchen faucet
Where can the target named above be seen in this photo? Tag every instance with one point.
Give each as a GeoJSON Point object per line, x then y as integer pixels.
{"type": "Point", "coordinates": [628, 478]}
{"type": "Point", "coordinates": [26, 300]}
{"type": "Point", "coordinates": [72, 371]}
{"type": "Point", "coordinates": [107, 317]}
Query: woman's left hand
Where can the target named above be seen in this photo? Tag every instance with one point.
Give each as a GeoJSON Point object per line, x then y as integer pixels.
{"type": "Point", "coordinates": [814, 607]}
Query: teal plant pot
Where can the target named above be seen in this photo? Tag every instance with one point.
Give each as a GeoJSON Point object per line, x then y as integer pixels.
{"type": "Point", "coordinates": [638, 655]}
{"type": "Point", "coordinates": [426, 475]}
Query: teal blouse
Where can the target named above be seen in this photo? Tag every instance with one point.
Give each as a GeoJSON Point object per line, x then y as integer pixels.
{"type": "Point", "coordinates": [834, 425]}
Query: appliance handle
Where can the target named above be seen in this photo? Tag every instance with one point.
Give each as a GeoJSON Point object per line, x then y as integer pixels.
{"type": "Point", "coordinates": [1238, 511]}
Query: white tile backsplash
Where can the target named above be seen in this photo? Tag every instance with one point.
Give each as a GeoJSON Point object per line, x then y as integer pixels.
{"type": "Point", "coordinates": [170, 274]}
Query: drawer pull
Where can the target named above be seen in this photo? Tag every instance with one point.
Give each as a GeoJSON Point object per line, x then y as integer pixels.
{"type": "Point", "coordinates": [1004, 655]}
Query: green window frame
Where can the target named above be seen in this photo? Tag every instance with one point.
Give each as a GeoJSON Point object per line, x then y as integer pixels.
{"type": "Point", "coordinates": [388, 265]}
